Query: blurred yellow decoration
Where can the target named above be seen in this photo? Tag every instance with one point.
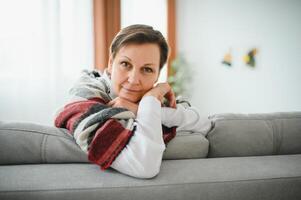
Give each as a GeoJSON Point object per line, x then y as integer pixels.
{"type": "Point", "coordinates": [227, 59]}
{"type": "Point", "coordinates": [249, 59]}
{"type": "Point", "coordinates": [246, 59]}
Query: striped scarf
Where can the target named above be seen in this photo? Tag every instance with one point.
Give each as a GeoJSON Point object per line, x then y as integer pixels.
{"type": "Point", "coordinates": [100, 131]}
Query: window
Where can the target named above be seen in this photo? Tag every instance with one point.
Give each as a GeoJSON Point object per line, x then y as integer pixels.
{"type": "Point", "coordinates": [43, 47]}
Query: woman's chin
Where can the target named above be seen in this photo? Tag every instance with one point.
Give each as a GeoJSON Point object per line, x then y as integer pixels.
{"type": "Point", "coordinates": [131, 98]}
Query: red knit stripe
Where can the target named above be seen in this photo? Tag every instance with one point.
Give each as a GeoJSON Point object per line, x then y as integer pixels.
{"type": "Point", "coordinates": [168, 133]}
{"type": "Point", "coordinates": [72, 120]}
{"type": "Point", "coordinates": [73, 111]}
{"type": "Point", "coordinates": [108, 142]}
{"type": "Point", "coordinates": [99, 100]}
{"type": "Point", "coordinates": [111, 156]}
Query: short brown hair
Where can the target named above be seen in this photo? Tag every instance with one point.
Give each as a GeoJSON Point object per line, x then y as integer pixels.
{"type": "Point", "coordinates": [140, 34]}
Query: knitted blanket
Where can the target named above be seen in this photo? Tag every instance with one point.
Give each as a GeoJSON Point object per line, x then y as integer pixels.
{"type": "Point", "coordinates": [100, 131]}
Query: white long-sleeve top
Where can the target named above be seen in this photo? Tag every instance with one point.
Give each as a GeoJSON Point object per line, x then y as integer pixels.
{"type": "Point", "coordinates": [143, 154]}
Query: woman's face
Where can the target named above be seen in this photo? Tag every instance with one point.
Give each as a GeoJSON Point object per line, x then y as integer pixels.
{"type": "Point", "coordinates": [134, 70]}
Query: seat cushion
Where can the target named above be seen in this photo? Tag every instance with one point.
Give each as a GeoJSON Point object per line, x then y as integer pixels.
{"type": "Point", "coordinates": [25, 143]}
{"type": "Point", "coordinates": [255, 134]}
{"type": "Point", "coordinates": [248, 178]}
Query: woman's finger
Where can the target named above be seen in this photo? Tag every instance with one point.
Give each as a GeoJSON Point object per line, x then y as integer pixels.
{"type": "Point", "coordinates": [112, 102]}
{"type": "Point", "coordinates": [170, 96]}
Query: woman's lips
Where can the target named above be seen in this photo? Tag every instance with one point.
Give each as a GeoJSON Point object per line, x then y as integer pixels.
{"type": "Point", "coordinates": [131, 90]}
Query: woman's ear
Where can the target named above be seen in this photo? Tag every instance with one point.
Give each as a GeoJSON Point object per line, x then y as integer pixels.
{"type": "Point", "coordinates": [110, 64]}
{"type": "Point", "coordinates": [158, 75]}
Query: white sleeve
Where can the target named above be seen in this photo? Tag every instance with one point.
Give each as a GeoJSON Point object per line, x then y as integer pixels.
{"type": "Point", "coordinates": [186, 119]}
{"type": "Point", "coordinates": [142, 156]}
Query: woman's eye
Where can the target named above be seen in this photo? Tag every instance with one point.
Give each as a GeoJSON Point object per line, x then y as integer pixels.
{"type": "Point", "coordinates": [148, 70]}
{"type": "Point", "coordinates": [125, 64]}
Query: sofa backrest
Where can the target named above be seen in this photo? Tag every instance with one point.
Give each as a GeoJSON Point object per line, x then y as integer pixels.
{"type": "Point", "coordinates": [232, 135]}
{"type": "Point", "coordinates": [28, 143]}
{"type": "Point", "coordinates": [255, 134]}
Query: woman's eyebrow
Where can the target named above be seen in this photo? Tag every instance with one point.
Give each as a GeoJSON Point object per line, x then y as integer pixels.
{"type": "Point", "coordinates": [152, 64]}
{"type": "Point", "coordinates": [127, 58]}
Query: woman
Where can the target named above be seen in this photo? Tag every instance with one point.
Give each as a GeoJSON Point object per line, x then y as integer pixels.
{"type": "Point", "coordinates": [118, 117]}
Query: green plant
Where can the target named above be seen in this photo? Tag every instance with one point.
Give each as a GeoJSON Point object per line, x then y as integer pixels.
{"type": "Point", "coordinates": [180, 76]}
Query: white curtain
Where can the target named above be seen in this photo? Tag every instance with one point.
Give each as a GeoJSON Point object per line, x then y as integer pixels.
{"type": "Point", "coordinates": [44, 44]}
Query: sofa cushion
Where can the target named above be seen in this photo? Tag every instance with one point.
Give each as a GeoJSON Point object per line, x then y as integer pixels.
{"type": "Point", "coordinates": [255, 134]}
{"type": "Point", "coordinates": [247, 178]}
{"type": "Point", "coordinates": [24, 143]}
{"type": "Point", "coordinates": [187, 145]}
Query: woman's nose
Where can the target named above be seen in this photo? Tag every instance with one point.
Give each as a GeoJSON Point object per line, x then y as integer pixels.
{"type": "Point", "coordinates": [134, 77]}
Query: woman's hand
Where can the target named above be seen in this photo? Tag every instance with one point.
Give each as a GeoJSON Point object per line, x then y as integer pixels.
{"type": "Point", "coordinates": [162, 90]}
{"type": "Point", "coordinates": [123, 103]}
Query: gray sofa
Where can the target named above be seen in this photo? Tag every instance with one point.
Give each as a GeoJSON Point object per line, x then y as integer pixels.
{"type": "Point", "coordinates": [255, 156]}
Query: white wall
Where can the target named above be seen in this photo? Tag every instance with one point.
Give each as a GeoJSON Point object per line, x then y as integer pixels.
{"type": "Point", "coordinates": [208, 28]}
